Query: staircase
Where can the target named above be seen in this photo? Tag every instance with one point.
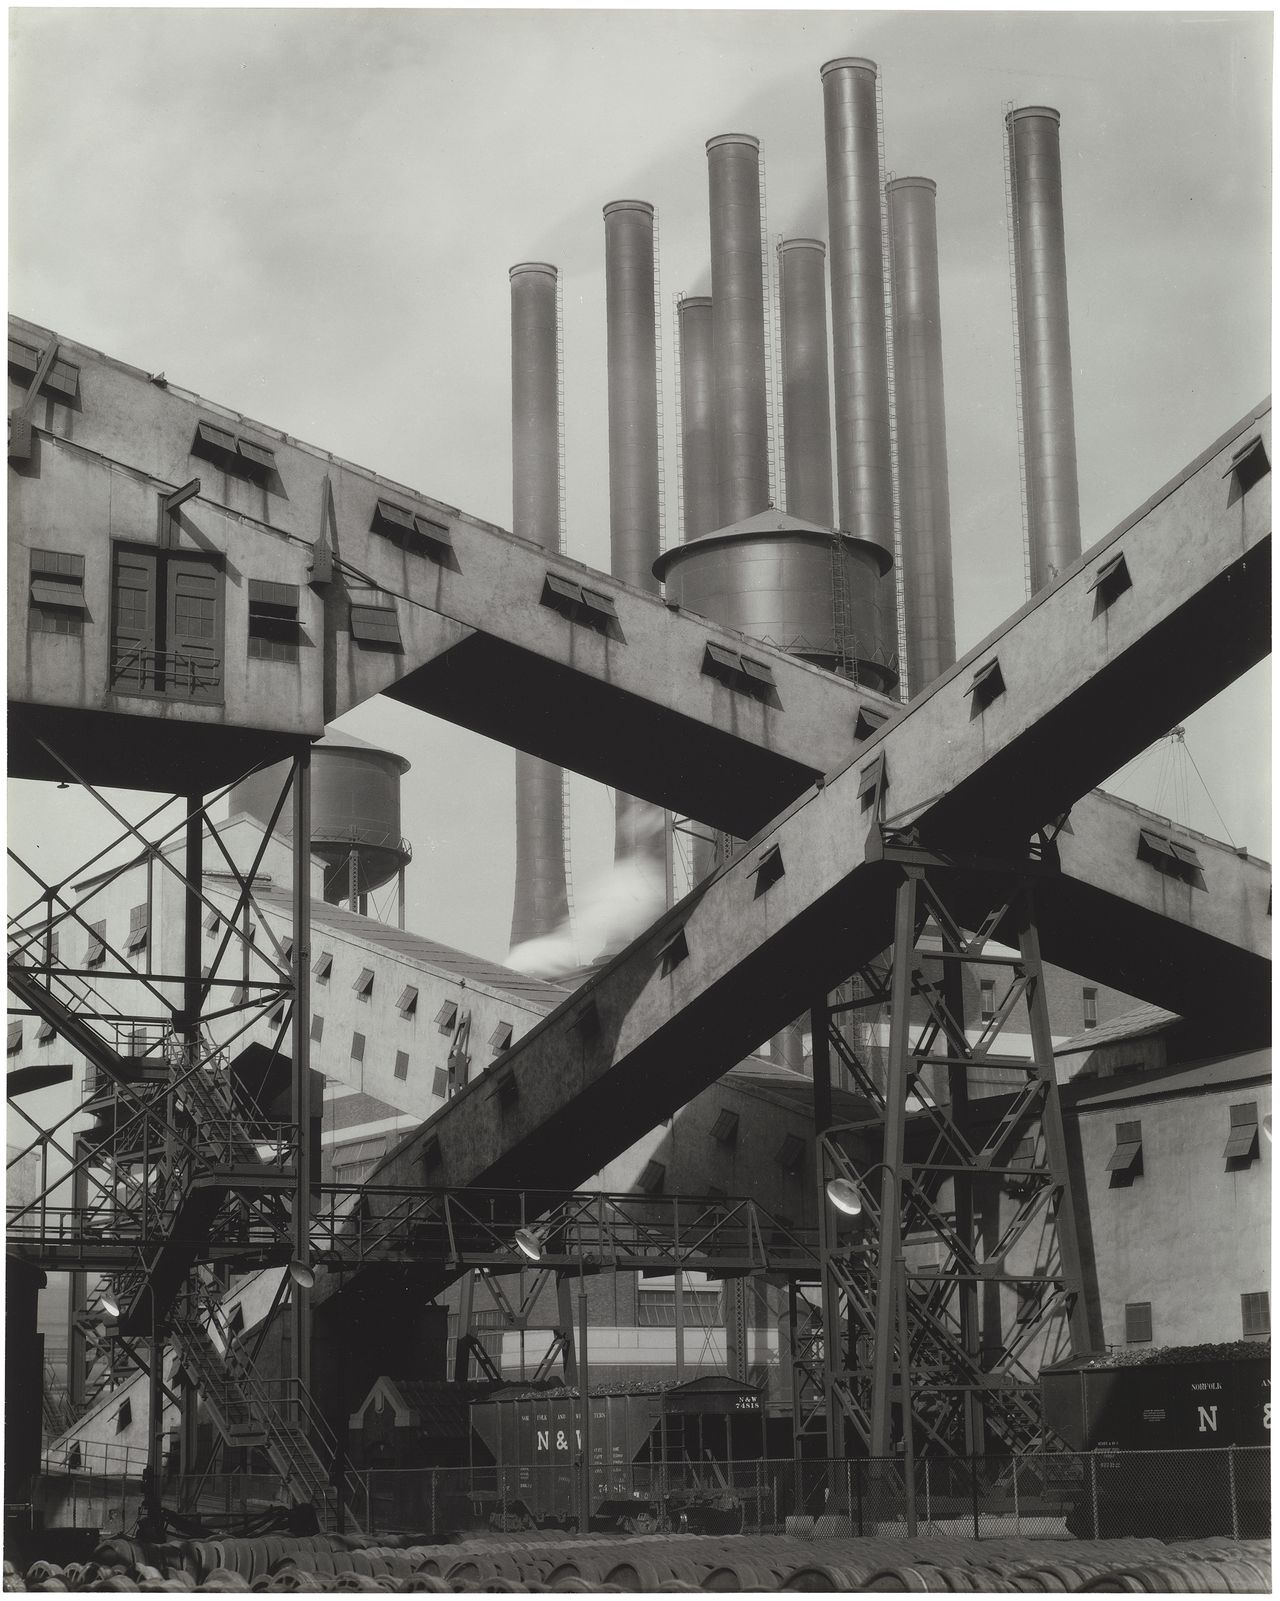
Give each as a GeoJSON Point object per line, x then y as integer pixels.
{"type": "Point", "coordinates": [279, 1418]}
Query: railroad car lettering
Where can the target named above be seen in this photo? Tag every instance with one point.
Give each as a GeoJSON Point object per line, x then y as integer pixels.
{"type": "Point", "coordinates": [562, 1440]}
{"type": "Point", "coordinates": [1266, 1415]}
{"type": "Point", "coordinates": [1208, 1419]}
{"type": "Point", "coordinates": [544, 1439]}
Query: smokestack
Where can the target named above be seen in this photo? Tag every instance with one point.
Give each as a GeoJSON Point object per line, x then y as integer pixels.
{"type": "Point", "coordinates": [806, 408]}
{"type": "Point", "coordinates": [1044, 342]}
{"type": "Point", "coordinates": [864, 466]}
{"type": "Point", "coordinates": [737, 328]}
{"type": "Point", "coordinates": [541, 900]}
{"type": "Point", "coordinates": [697, 419]}
{"type": "Point", "coordinates": [639, 827]}
{"type": "Point", "coordinates": [924, 498]}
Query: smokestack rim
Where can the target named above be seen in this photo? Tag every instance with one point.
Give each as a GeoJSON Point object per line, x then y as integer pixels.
{"type": "Point", "coordinates": [802, 244]}
{"type": "Point", "coordinates": [645, 206]}
{"type": "Point", "coordinates": [851, 64]}
{"type": "Point", "coordinates": [911, 183]}
{"type": "Point", "coordinates": [1047, 112]}
{"type": "Point", "coordinates": [534, 266]}
{"type": "Point", "coordinates": [693, 300]}
{"type": "Point", "coordinates": [720, 139]}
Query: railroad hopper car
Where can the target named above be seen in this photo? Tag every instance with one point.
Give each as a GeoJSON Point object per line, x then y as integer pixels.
{"type": "Point", "coordinates": [1180, 1409]}
{"type": "Point", "coordinates": [682, 1457]}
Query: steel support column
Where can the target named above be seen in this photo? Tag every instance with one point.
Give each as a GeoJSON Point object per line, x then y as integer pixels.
{"type": "Point", "coordinates": [300, 1326]}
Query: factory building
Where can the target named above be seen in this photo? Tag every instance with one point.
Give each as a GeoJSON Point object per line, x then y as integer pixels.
{"type": "Point", "coordinates": [895, 1081]}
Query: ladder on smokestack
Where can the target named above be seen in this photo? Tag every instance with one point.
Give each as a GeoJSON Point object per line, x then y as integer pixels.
{"type": "Point", "coordinates": [844, 651]}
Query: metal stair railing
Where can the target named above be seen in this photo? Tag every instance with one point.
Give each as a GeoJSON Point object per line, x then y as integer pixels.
{"type": "Point", "coordinates": [239, 1400]}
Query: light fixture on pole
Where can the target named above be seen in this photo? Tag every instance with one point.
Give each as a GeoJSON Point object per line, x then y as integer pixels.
{"type": "Point", "coordinates": [845, 1196]}
{"type": "Point", "coordinates": [109, 1304]}
{"type": "Point", "coordinates": [301, 1274]}
{"type": "Point", "coordinates": [529, 1243]}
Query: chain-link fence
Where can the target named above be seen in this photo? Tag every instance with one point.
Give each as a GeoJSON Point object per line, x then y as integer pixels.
{"type": "Point", "coordinates": [1097, 1495]}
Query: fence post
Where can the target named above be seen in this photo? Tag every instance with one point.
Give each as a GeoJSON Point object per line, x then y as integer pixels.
{"type": "Point", "coordinates": [857, 1479]}
{"type": "Point", "coordinates": [928, 1494]}
{"type": "Point", "coordinates": [1017, 1521]}
{"type": "Point", "coordinates": [1231, 1480]}
{"type": "Point", "coordinates": [1093, 1493]}
{"type": "Point", "coordinates": [973, 1482]}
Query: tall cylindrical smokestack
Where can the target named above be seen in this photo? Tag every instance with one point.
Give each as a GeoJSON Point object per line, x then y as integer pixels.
{"type": "Point", "coordinates": [737, 328]}
{"type": "Point", "coordinates": [639, 827]}
{"type": "Point", "coordinates": [697, 419]}
{"type": "Point", "coordinates": [924, 499]}
{"type": "Point", "coordinates": [864, 461]}
{"type": "Point", "coordinates": [806, 407]}
{"type": "Point", "coordinates": [541, 901]}
{"type": "Point", "coordinates": [633, 392]}
{"type": "Point", "coordinates": [1044, 342]}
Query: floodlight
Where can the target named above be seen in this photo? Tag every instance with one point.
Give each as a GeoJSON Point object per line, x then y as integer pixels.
{"type": "Point", "coordinates": [109, 1303]}
{"type": "Point", "coordinates": [302, 1275]}
{"type": "Point", "coordinates": [845, 1196]}
{"type": "Point", "coordinates": [528, 1244]}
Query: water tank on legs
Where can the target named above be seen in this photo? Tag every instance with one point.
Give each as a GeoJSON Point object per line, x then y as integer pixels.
{"type": "Point", "coordinates": [355, 814]}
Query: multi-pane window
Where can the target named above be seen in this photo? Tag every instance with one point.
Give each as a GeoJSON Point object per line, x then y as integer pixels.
{"type": "Point", "coordinates": [363, 986]}
{"type": "Point", "coordinates": [139, 918]}
{"type": "Point", "coordinates": [1089, 997]}
{"type": "Point", "coordinates": [317, 1028]}
{"type": "Point", "coordinates": [323, 967]}
{"type": "Point", "coordinates": [402, 1064]}
{"type": "Point", "coordinates": [96, 952]}
{"type": "Point", "coordinates": [656, 1302]}
{"type": "Point", "coordinates": [15, 1039]}
{"type": "Point", "coordinates": [1255, 1314]}
{"type": "Point", "coordinates": [354, 1161]}
{"type": "Point", "coordinates": [58, 605]}
{"type": "Point", "coordinates": [166, 625]}
{"type": "Point", "coordinates": [274, 629]}
{"type": "Point", "coordinates": [1137, 1323]}
{"type": "Point", "coordinates": [987, 998]}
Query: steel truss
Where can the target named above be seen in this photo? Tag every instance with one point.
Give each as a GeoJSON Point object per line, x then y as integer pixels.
{"type": "Point", "coordinates": [963, 1187]}
{"type": "Point", "coordinates": [182, 1164]}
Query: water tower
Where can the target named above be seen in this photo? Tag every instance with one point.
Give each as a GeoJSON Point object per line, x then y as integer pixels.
{"type": "Point", "coordinates": [355, 817]}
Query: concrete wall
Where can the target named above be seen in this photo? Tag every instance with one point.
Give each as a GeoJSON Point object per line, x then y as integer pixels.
{"type": "Point", "coordinates": [1191, 1233]}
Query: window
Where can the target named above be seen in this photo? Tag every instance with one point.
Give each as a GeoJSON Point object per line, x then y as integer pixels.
{"type": "Point", "coordinates": [725, 1128]}
{"type": "Point", "coordinates": [1242, 1135]}
{"type": "Point", "coordinates": [739, 672]}
{"type": "Point", "coordinates": [1110, 581]}
{"type": "Point", "coordinates": [62, 379]}
{"type": "Point", "coordinates": [274, 629]}
{"type": "Point", "coordinates": [402, 1064]}
{"type": "Point", "coordinates": [166, 625]}
{"type": "Point", "coordinates": [1174, 858]}
{"type": "Point", "coordinates": [1126, 1159]}
{"type": "Point", "coordinates": [447, 1016]}
{"type": "Point", "coordinates": [374, 624]}
{"type": "Point", "coordinates": [1089, 998]}
{"type": "Point", "coordinates": [1255, 1314]}
{"type": "Point", "coordinates": [233, 452]}
{"type": "Point", "coordinates": [656, 1302]}
{"type": "Point", "coordinates": [124, 1417]}
{"type": "Point", "coordinates": [1137, 1323]}
{"type": "Point", "coordinates": [1249, 464]}
{"type": "Point", "coordinates": [323, 967]}
{"type": "Point", "coordinates": [790, 1153]}
{"type": "Point", "coordinates": [363, 986]}
{"type": "Point", "coordinates": [987, 1002]}
{"type": "Point", "coordinates": [15, 1039]}
{"type": "Point", "coordinates": [500, 1039]}
{"type": "Point", "coordinates": [317, 1028]}
{"type": "Point", "coordinates": [986, 686]}
{"type": "Point", "coordinates": [407, 1005]}
{"type": "Point", "coordinates": [96, 953]}
{"type": "Point", "coordinates": [1022, 1161]}
{"type": "Point", "coordinates": [768, 870]}
{"type": "Point", "coordinates": [138, 928]}
{"type": "Point", "coordinates": [45, 1033]}
{"type": "Point", "coordinates": [413, 532]}
{"type": "Point", "coordinates": [440, 1083]}
{"type": "Point", "coordinates": [58, 605]}
{"type": "Point", "coordinates": [675, 951]}
{"type": "Point", "coordinates": [353, 1162]}
{"type": "Point", "coordinates": [212, 923]}
{"type": "Point", "coordinates": [581, 604]}
{"type": "Point", "coordinates": [357, 1047]}
{"type": "Point", "coordinates": [652, 1178]}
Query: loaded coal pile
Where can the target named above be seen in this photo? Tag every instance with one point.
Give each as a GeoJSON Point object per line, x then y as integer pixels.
{"type": "Point", "coordinates": [556, 1562]}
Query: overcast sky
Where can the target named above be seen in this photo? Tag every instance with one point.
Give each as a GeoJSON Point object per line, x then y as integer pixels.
{"type": "Point", "coordinates": [309, 216]}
